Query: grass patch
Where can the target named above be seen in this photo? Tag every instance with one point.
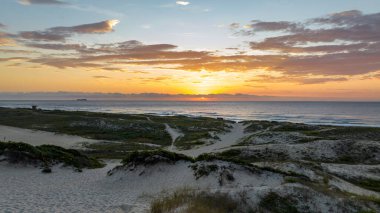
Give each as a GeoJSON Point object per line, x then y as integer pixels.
{"type": "Point", "coordinates": [367, 211]}
{"type": "Point", "coordinates": [125, 128]}
{"type": "Point", "coordinates": [276, 204]}
{"type": "Point", "coordinates": [295, 127]}
{"type": "Point", "coordinates": [115, 150]}
{"type": "Point", "coordinates": [254, 126]}
{"type": "Point", "coordinates": [291, 179]}
{"type": "Point", "coordinates": [154, 156]}
{"type": "Point", "coordinates": [370, 184]}
{"type": "Point", "coordinates": [350, 132]}
{"type": "Point", "coordinates": [195, 129]}
{"type": "Point", "coordinates": [190, 201]}
{"type": "Point", "coordinates": [372, 199]}
{"type": "Point", "coordinates": [231, 155]}
{"type": "Point", "coordinates": [101, 126]}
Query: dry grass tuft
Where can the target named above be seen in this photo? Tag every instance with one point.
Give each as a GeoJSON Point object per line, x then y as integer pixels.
{"type": "Point", "coordinates": [187, 200]}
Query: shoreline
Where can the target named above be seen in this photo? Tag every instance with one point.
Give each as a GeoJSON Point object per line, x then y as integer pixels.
{"type": "Point", "coordinates": [206, 115]}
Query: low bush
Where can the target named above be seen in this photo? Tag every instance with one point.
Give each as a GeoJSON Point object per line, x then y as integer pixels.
{"type": "Point", "coordinates": [201, 170]}
{"type": "Point", "coordinates": [274, 203]}
{"type": "Point", "coordinates": [46, 155]}
{"type": "Point", "coordinates": [154, 156]}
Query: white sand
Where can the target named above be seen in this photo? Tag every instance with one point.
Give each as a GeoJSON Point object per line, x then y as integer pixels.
{"type": "Point", "coordinates": [36, 137]}
{"type": "Point", "coordinates": [132, 191]}
{"type": "Point", "coordinates": [174, 134]}
{"type": "Point", "coordinates": [226, 140]}
{"type": "Point", "coordinates": [124, 191]}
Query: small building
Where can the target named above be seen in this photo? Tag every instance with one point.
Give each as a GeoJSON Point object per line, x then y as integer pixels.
{"type": "Point", "coordinates": [34, 107]}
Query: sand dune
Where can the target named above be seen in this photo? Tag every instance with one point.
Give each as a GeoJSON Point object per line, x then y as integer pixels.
{"type": "Point", "coordinates": [94, 191]}
{"type": "Point", "coordinates": [36, 137]}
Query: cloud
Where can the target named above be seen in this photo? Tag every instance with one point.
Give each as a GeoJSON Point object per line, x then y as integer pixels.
{"type": "Point", "coordinates": [346, 17]}
{"type": "Point", "coordinates": [330, 48]}
{"type": "Point", "coordinates": [149, 96]}
{"type": "Point", "coordinates": [61, 33]}
{"type": "Point", "coordinates": [17, 51]}
{"type": "Point", "coordinates": [146, 26]}
{"type": "Point", "coordinates": [42, 36]}
{"type": "Point", "coordinates": [128, 52]}
{"type": "Point", "coordinates": [129, 96]}
{"type": "Point", "coordinates": [13, 59]}
{"type": "Point", "coordinates": [345, 43]}
{"type": "Point", "coordinates": [29, 2]}
{"type": "Point", "coordinates": [100, 77]}
{"type": "Point", "coordinates": [258, 26]}
{"type": "Point", "coordinates": [234, 26]}
{"type": "Point", "coordinates": [296, 79]}
{"type": "Point", "coordinates": [58, 46]}
{"type": "Point", "coordinates": [6, 40]}
{"type": "Point", "coordinates": [100, 27]}
{"type": "Point", "coordinates": [345, 31]}
{"type": "Point", "coordinates": [166, 55]}
{"type": "Point", "coordinates": [183, 3]}
{"type": "Point", "coordinates": [2, 25]}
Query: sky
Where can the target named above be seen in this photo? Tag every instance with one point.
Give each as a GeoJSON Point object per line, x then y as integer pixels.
{"type": "Point", "coordinates": [192, 50]}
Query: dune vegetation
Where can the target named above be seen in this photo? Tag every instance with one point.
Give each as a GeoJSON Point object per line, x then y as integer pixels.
{"type": "Point", "coordinates": [46, 156]}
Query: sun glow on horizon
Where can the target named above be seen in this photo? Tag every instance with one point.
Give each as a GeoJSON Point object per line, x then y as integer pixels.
{"type": "Point", "coordinates": [206, 82]}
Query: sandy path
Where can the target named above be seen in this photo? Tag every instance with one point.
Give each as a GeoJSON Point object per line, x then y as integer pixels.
{"type": "Point", "coordinates": [226, 140]}
{"type": "Point", "coordinates": [174, 134]}
{"type": "Point", "coordinates": [36, 137]}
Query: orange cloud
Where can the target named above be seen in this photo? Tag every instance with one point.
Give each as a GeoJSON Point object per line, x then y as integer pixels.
{"type": "Point", "coordinates": [6, 40]}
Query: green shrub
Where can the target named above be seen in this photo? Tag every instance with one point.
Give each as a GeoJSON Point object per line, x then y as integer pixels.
{"type": "Point", "coordinates": [203, 170]}
{"type": "Point", "coordinates": [47, 155]}
{"type": "Point", "coordinates": [141, 156]}
{"type": "Point", "coordinates": [274, 203]}
{"type": "Point", "coordinates": [207, 157]}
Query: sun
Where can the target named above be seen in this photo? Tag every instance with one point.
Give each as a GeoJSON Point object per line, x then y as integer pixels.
{"type": "Point", "coordinates": [204, 83]}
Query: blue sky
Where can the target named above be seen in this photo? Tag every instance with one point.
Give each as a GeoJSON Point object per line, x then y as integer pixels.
{"type": "Point", "coordinates": [201, 24]}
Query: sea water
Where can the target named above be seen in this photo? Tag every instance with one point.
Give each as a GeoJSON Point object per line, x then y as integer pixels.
{"type": "Point", "coordinates": [328, 113]}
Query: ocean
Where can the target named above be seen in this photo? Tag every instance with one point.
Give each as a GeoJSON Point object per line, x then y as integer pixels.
{"type": "Point", "coordinates": [326, 113]}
